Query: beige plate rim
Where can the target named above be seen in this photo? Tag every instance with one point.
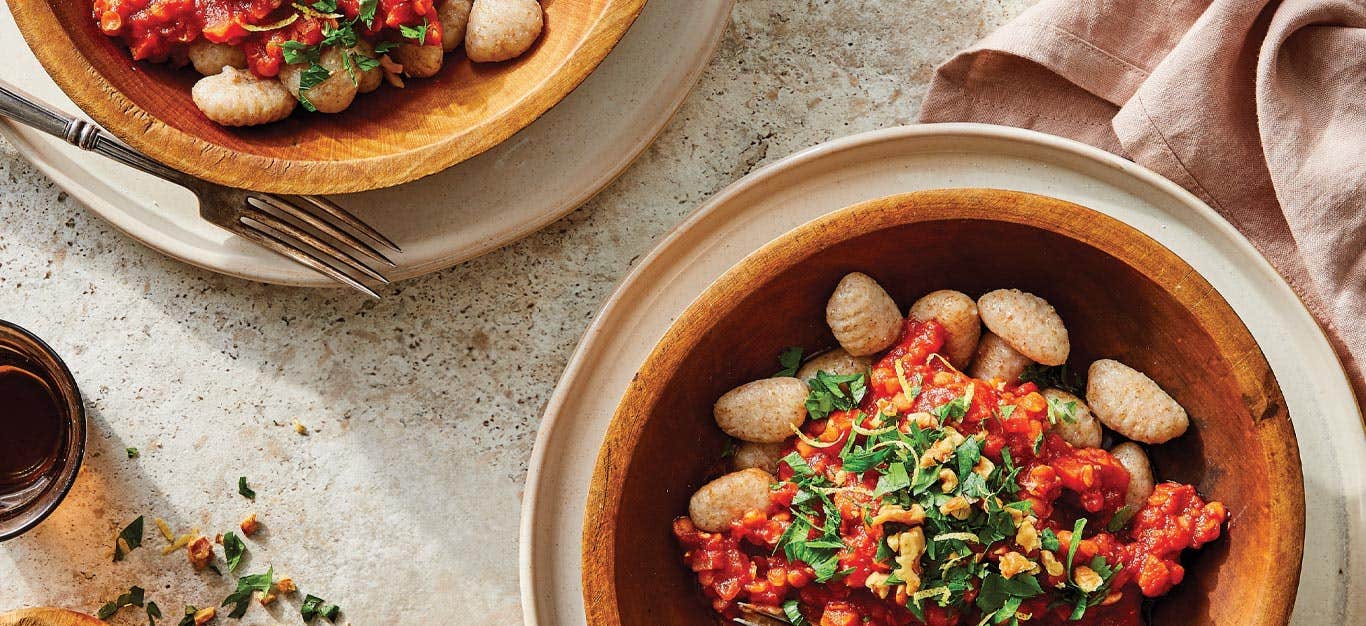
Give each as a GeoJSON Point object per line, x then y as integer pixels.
{"type": "Point", "coordinates": [144, 208]}
{"type": "Point", "coordinates": [653, 293]}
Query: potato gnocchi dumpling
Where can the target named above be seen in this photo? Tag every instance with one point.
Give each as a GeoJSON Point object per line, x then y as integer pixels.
{"type": "Point", "coordinates": [1135, 460]}
{"type": "Point", "coordinates": [1132, 404]}
{"type": "Point", "coordinates": [1083, 431]}
{"type": "Point", "coordinates": [837, 361]}
{"type": "Point", "coordinates": [762, 411]}
{"type": "Point", "coordinates": [862, 316]}
{"type": "Point", "coordinates": [210, 58]}
{"type": "Point", "coordinates": [996, 360]}
{"type": "Point", "coordinates": [499, 30]}
{"type": "Point", "coordinates": [322, 53]}
{"type": "Point", "coordinates": [236, 97]}
{"type": "Point", "coordinates": [764, 456]}
{"type": "Point", "coordinates": [1028, 323]}
{"type": "Point", "coordinates": [726, 499]}
{"type": "Point", "coordinates": [958, 313]}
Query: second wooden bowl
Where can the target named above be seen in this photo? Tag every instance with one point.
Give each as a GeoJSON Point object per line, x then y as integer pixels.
{"type": "Point", "coordinates": [1122, 296]}
{"type": "Point", "coordinates": [385, 138]}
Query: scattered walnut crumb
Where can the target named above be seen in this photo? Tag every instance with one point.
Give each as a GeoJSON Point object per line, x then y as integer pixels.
{"type": "Point", "coordinates": [300, 428]}
{"type": "Point", "coordinates": [200, 553]}
{"type": "Point", "coordinates": [218, 539]}
{"type": "Point", "coordinates": [249, 525]}
{"type": "Point", "coordinates": [204, 616]}
{"type": "Point", "coordinates": [267, 598]}
{"type": "Point", "coordinates": [286, 586]}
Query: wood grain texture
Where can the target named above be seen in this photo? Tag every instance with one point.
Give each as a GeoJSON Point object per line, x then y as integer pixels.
{"type": "Point", "coordinates": [385, 138]}
{"type": "Point", "coordinates": [1122, 296]}
{"type": "Point", "coordinates": [46, 616]}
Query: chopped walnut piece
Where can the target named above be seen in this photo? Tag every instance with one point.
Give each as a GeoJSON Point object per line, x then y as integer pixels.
{"type": "Point", "coordinates": [300, 428]}
{"type": "Point", "coordinates": [200, 552]}
{"type": "Point", "coordinates": [941, 450]}
{"type": "Point", "coordinates": [1086, 578]}
{"type": "Point", "coordinates": [249, 525]}
{"type": "Point", "coordinates": [267, 598]}
{"type": "Point", "coordinates": [926, 421]}
{"type": "Point", "coordinates": [286, 586]}
{"type": "Point", "coordinates": [1027, 537]}
{"type": "Point", "coordinates": [958, 507]}
{"type": "Point", "coordinates": [1112, 597]}
{"type": "Point", "coordinates": [1013, 563]}
{"type": "Point", "coordinates": [204, 616]}
{"type": "Point", "coordinates": [948, 480]}
{"type": "Point", "coordinates": [1051, 563]}
{"type": "Point", "coordinates": [894, 513]}
{"type": "Point", "coordinates": [984, 467]}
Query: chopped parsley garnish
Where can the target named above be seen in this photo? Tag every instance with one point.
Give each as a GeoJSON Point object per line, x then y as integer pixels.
{"type": "Point", "coordinates": [314, 607]}
{"type": "Point", "coordinates": [130, 538]}
{"type": "Point", "coordinates": [133, 597]}
{"type": "Point", "coordinates": [233, 550]}
{"type": "Point", "coordinates": [833, 392]}
{"type": "Point", "coordinates": [794, 614]}
{"type": "Point", "coordinates": [243, 489]}
{"type": "Point", "coordinates": [1057, 377]}
{"type": "Point", "coordinates": [1059, 411]}
{"type": "Point", "coordinates": [790, 360]}
{"type": "Point", "coordinates": [415, 33]}
{"type": "Point", "coordinates": [246, 586]}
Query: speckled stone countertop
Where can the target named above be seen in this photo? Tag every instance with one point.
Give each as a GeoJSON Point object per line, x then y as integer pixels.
{"type": "Point", "coordinates": [401, 503]}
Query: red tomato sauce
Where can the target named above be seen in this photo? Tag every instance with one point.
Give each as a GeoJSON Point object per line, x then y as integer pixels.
{"type": "Point", "coordinates": [162, 30]}
{"type": "Point", "coordinates": [1061, 483]}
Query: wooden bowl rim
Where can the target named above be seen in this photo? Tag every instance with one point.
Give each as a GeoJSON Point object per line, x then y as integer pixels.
{"type": "Point", "coordinates": [111, 109]}
{"type": "Point", "coordinates": [1273, 428]}
{"type": "Point", "coordinates": [48, 616]}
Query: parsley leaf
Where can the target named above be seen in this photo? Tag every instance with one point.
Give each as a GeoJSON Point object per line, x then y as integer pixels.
{"type": "Point", "coordinates": [1058, 377]}
{"type": "Point", "coordinates": [1076, 541]}
{"type": "Point", "coordinates": [415, 33]}
{"type": "Point", "coordinates": [828, 393]}
{"type": "Point", "coordinates": [131, 537]}
{"type": "Point", "coordinates": [968, 453]}
{"type": "Point", "coordinates": [790, 359]}
{"type": "Point", "coordinates": [314, 607]}
{"type": "Point", "coordinates": [794, 614]}
{"type": "Point", "coordinates": [951, 410]}
{"type": "Point", "coordinates": [1049, 539]}
{"type": "Point", "coordinates": [366, 12]}
{"type": "Point", "coordinates": [1059, 411]}
{"type": "Point", "coordinates": [188, 620]}
{"type": "Point", "coordinates": [133, 597]}
{"type": "Point", "coordinates": [895, 479]}
{"type": "Point", "coordinates": [233, 549]}
{"type": "Point", "coordinates": [132, 452]}
{"type": "Point", "coordinates": [243, 489]}
{"type": "Point", "coordinates": [1120, 519]}
{"type": "Point", "coordinates": [246, 585]}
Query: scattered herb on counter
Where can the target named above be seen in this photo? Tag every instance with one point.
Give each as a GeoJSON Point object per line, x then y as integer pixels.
{"type": "Point", "coordinates": [314, 607]}
{"type": "Point", "coordinates": [246, 585]}
{"type": "Point", "coordinates": [790, 360]}
{"type": "Point", "coordinates": [132, 452]}
{"type": "Point", "coordinates": [188, 620]}
{"type": "Point", "coordinates": [233, 550]}
{"type": "Point", "coordinates": [133, 597]}
{"type": "Point", "coordinates": [129, 539]}
{"type": "Point", "coordinates": [243, 489]}
{"type": "Point", "coordinates": [153, 612]}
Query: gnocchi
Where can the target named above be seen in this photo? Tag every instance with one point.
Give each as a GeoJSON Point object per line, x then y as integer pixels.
{"type": "Point", "coordinates": [210, 58]}
{"type": "Point", "coordinates": [862, 316]}
{"type": "Point", "coordinates": [837, 361]}
{"type": "Point", "coordinates": [499, 30]}
{"type": "Point", "coordinates": [1132, 404]}
{"type": "Point", "coordinates": [1083, 431]}
{"type": "Point", "coordinates": [236, 97]}
{"type": "Point", "coordinates": [726, 499]}
{"type": "Point", "coordinates": [958, 313]}
{"type": "Point", "coordinates": [1135, 461]}
{"type": "Point", "coordinates": [762, 411]}
{"type": "Point", "coordinates": [455, 18]}
{"type": "Point", "coordinates": [419, 61]}
{"type": "Point", "coordinates": [1028, 323]}
{"type": "Point", "coordinates": [996, 360]}
{"type": "Point", "coordinates": [764, 456]}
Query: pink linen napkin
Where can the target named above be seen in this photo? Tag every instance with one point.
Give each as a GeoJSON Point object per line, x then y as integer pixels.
{"type": "Point", "coordinates": [1256, 106]}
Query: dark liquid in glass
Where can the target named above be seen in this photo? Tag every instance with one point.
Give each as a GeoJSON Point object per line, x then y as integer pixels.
{"type": "Point", "coordinates": [32, 428]}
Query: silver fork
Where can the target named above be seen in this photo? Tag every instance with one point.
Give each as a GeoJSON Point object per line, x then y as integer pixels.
{"type": "Point", "coordinates": [287, 225]}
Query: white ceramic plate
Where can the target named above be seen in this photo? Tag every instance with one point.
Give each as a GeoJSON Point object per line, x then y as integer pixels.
{"type": "Point", "coordinates": [514, 189]}
{"type": "Point", "coordinates": [834, 175]}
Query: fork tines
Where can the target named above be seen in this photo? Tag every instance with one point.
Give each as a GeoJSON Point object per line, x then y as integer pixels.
{"type": "Point", "coordinates": [319, 234]}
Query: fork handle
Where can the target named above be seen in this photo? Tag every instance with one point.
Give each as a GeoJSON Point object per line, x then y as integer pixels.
{"type": "Point", "coordinates": [30, 111]}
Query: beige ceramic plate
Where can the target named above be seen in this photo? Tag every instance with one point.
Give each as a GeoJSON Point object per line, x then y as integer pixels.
{"type": "Point", "coordinates": [790, 192]}
{"type": "Point", "coordinates": [506, 193]}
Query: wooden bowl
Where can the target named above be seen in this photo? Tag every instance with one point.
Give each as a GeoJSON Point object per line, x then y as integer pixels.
{"type": "Point", "coordinates": [1122, 296]}
{"type": "Point", "coordinates": [387, 137]}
